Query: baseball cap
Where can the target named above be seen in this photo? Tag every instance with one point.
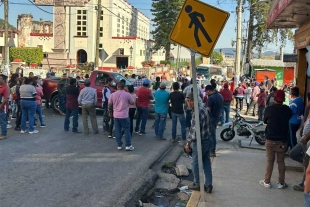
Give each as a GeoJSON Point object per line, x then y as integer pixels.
{"type": "Point", "coordinates": [48, 73]}
{"type": "Point", "coordinates": [190, 96]}
{"type": "Point", "coordinates": [209, 87]}
{"type": "Point", "coordinates": [162, 85]}
{"type": "Point", "coordinates": [256, 83]}
{"type": "Point", "coordinates": [279, 96]}
{"type": "Point", "coordinates": [146, 81]}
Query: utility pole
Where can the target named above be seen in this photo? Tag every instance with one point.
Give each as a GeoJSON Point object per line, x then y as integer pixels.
{"type": "Point", "coordinates": [238, 45]}
{"type": "Point", "coordinates": [6, 31]}
{"type": "Point", "coordinates": [250, 37]}
{"type": "Point", "coordinates": [98, 34]}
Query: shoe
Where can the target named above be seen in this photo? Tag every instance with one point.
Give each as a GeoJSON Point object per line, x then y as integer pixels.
{"type": "Point", "coordinates": [299, 187]}
{"type": "Point", "coordinates": [43, 125]}
{"type": "Point", "coordinates": [282, 185]}
{"type": "Point", "coordinates": [142, 133]}
{"type": "Point", "coordinates": [114, 137]}
{"type": "Point", "coordinates": [22, 131]}
{"type": "Point", "coordinates": [17, 128]}
{"type": "Point", "coordinates": [130, 148]}
{"type": "Point", "coordinates": [110, 136]}
{"type": "Point", "coordinates": [220, 124]}
{"type": "Point", "coordinates": [8, 126]}
{"type": "Point", "coordinates": [172, 140]}
{"type": "Point", "coordinates": [119, 148]}
{"type": "Point", "coordinates": [194, 186]}
{"type": "Point", "coordinates": [136, 132]}
{"type": "Point", "coordinates": [2, 137]}
{"type": "Point", "coordinates": [77, 132]}
{"type": "Point", "coordinates": [266, 185]}
{"type": "Point", "coordinates": [209, 189]}
{"type": "Point", "coordinates": [34, 132]}
{"type": "Point", "coordinates": [161, 138]}
{"type": "Point", "coordinates": [212, 155]}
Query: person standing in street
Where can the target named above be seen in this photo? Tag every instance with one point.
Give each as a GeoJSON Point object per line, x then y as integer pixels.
{"type": "Point", "coordinates": [144, 99]}
{"type": "Point", "coordinates": [161, 110]}
{"type": "Point", "coordinates": [248, 93]}
{"type": "Point", "coordinates": [119, 102]}
{"type": "Point", "coordinates": [239, 96]}
{"type": "Point", "coordinates": [61, 87]}
{"type": "Point", "coordinates": [214, 106]}
{"type": "Point", "coordinates": [72, 106]}
{"type": "Point", "coordinates": [177, 112]}
{"type": "Point", "coordinates": [39, 104]}
{"type": "Point", "coordinates": [261, 102]}
{"type": "Point", "coordinates": [297, 107]}
{"type": "Point", "coordinates": [163, 77]}
{"type": "Point", "coordinates": [277, 119]}
{"type": "Point", "coordinates": [106, 93]}
{"type": "Point", "coordinates": [88, 99]}
{"type": "Point", "coordinates": [204, 121]}
{"type": "Point", "coordinates": [227, 98]}
{"type": "Point", "coordinates": [4, 98]}
{"type": "Point", "coordinates": [254, 98]}
{"type": "Point", "coordinates": [132, 107]}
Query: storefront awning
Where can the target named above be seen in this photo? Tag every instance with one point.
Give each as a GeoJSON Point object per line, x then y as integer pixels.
{"type": "Point", "coordinates": [288, 13]}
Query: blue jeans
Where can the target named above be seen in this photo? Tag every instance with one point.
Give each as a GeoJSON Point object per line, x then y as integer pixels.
{"type": "Point", "coordinates": [205, 144]}
{"type": "Point", "coordinates": [3, 123]}
{"type": "Point", "coordinates": [181, 118]}
{"type": "Point", "coordinates": [122, 124]}
{"type": "Point", "coordinates": [28, 110]}
{"type": "Point", "coordinates": [62, 102]}
{"type": "Point", "coordinates": [188, 118]}
{"type": "Point", "coordinates": [142, 116]}
{"type": "Point", "coordinates": [226, 109]}
{"type": "Point", "coordinates": [160, 123]}
{"type": "Point", "coordinates": [307, 199]}
{"type": "Point", "coordinates": [39, 111]}
{"type": "Point", "coordinates": [75, 114]}
{"type": "Point", "coordinates": [213, 124]}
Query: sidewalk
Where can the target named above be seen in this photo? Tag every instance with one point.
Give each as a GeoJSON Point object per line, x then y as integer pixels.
{"type": "Point", "coordinates": [235, 179]}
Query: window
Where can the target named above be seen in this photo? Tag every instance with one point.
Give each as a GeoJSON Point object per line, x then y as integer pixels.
{"type": "Point", "coordinates": [118, 25]}
{"type": "Point", "coordinates": [81, 28]}
{"type": "Point", "coordinates": [101, 77]}
{"type": "Point", "coordinates": [100, 46]}
{"type": "Point", "coordinates": [101, 16]}
{"type": "Point", "coordinates": [118, 20]}
{"type": "Point", "coordinates": [101, 31]}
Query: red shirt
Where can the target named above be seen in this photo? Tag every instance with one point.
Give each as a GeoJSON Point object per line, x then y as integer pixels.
{"type": "Point", "coordinates": [144, 99]}
{"type": "Point", "coordinates": [232, 86]}
{"type": "Point", "coordinates": [4, 94]}
{"type": "Point", "coordinates": [227, 94]}
{"type": "Point", "coordinates": [261, 101]}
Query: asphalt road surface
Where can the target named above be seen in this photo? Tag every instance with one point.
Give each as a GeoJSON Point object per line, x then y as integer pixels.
{"type": "Point", "coordinates": [58, 168]}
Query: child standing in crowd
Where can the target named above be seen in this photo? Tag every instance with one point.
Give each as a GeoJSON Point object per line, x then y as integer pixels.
{"type": "Point", "coordinates": [261, 102]}
{"type": "Point", "coordinates": [39, 103]}
{"type": "Point", "coordinates": [248, 93]}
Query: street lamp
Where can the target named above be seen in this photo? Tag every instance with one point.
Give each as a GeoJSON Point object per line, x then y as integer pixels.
{"type": "Point", "coordinates": [131, 49]}
{"type": "Point", "coordinates": [151, 49]}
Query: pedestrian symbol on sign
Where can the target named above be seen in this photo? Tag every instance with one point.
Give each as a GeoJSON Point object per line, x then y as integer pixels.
{"type": "Point", "coordinates": [194, 16]}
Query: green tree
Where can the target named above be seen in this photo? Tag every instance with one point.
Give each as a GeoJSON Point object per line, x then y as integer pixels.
{"type": "Point", "coordinates": [216, 58]}
{"type": "Point", "coordinates": [198, 60]}
{"type": "Point", "coordinates": [27, 54]}
{"type": "Point", "coordinates": [261, 35]}
{"type": "Point", "coordinates": [165, 13]}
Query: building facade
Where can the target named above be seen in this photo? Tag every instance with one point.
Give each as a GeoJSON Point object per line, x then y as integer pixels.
{"type": "Point", "coordinates": [124, 35]}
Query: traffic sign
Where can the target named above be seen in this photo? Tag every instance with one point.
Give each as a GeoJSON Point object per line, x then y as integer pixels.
{"type": "Point", "coordinates": [199, 26]}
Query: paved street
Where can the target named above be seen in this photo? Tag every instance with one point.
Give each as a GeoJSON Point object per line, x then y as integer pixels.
{"type": "Point", "coordinates": [57, 168]}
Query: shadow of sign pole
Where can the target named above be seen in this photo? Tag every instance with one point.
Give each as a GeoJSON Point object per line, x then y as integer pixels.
{"type": "Point", "coordinates": [197, 125]}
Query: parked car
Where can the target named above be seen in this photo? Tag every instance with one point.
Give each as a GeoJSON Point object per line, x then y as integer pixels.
{"type": "Point", "coordinates": [51, 93]}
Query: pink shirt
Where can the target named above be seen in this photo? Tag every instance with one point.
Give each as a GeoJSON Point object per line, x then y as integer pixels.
{"type": "Point", "coordinates": [134, 97]}
{"type": "Point", "coordinates": [39, 95]}
{"type": "Point", "coordinates": [121, 101]}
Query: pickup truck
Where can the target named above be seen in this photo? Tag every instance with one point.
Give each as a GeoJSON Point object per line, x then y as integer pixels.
{"type": "Point", "coordinates": [51, 93]}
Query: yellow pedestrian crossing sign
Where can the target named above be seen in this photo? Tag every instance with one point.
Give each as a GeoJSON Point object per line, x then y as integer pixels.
{"type": "Point", "coordinates": [199, 26]}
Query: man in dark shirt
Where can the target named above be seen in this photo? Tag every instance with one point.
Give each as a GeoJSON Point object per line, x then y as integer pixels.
{"type": "Point", "coordinates": [214, 106]}
{"type": "Point", "coordinates": [61, 88]}
{"type": "Point", "coordinates": [277, 135]}
{"type": "Point", "coordinates": [177, 111]}
{"type": "Point", "coordinates": [227, 96]}
{"type": "Point", "coordinates": [185, 84]}
{"type": "Point", "coordinates": [72, 106]}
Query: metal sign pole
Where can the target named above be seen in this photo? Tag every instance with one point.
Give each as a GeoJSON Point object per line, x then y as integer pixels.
{"type": "Point", "coordinates": [197, 125]}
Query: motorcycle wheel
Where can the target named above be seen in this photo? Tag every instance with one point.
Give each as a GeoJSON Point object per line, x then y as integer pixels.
{"type": "Point", "coordinates": [260, 137]}
{"type": "Point", "coordinates": [227, 134]}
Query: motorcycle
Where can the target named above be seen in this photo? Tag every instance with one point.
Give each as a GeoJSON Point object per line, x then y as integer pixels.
{"type": "Point", "coordinates": [244, 128]}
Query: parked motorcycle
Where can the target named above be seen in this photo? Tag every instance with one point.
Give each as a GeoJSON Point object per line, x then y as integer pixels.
{"type": "Point", "coordinates": [244, 128]}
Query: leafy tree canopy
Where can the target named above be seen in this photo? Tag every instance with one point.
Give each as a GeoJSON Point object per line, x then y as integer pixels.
{"type": "Point", "coordinates": [165, 13]}
{"type": "Point", "coordinates": [11, 27]}
{"type": "Point", "coordinates": [216, 58]}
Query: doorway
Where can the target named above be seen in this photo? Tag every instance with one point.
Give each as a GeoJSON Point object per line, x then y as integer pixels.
{"type": "Point", "coordinates": [122, 62]}
{"type": "Point", "coordinates": [81, 57]}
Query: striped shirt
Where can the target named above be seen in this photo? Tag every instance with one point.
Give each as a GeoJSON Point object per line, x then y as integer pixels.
{"type": "Point", "coordinates": [204, 120]}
